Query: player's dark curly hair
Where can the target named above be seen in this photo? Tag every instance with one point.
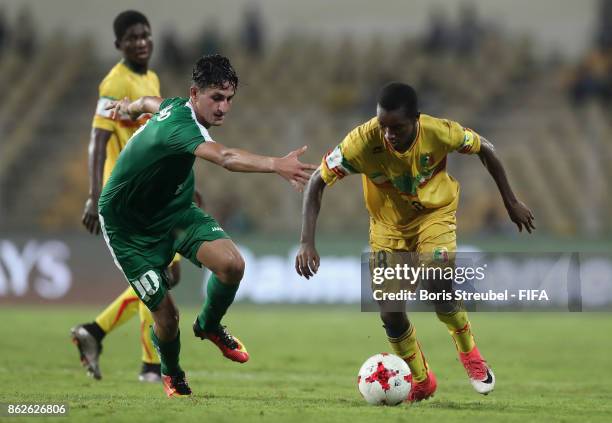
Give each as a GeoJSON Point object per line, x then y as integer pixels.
{"type": "Point", "coordinates": [396, 95]}
{"type": "Point", "coordinates": [214, 71]}
{"type": "Point", "coordinates": [126, 19]}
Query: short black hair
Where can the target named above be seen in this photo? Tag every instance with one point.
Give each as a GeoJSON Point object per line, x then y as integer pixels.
{"type": "Point", "coordinates": [214, 71]}
{"type": "Point", "coordinates": [126, 19]}
{"type": "Point", "coordinates": [397, 95]}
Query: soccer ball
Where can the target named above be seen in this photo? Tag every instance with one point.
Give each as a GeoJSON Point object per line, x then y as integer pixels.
{"type": "Point", "coordinates": [383, 380]}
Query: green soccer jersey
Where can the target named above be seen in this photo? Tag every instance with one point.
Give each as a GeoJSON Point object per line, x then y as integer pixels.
{"type": "Point", "coordinates": [152, 182]}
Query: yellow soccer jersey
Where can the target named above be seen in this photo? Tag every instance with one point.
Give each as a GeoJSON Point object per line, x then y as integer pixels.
{"type": "Point", "coordinates": [119, 83]}
{"type": "Point", "coordinates": [401, 189]}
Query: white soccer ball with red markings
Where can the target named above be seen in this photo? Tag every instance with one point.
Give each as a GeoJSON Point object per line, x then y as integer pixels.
{"type": "Point", "coordinates": [383, 380]}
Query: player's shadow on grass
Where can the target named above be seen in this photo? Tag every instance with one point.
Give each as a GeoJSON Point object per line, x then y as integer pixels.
{"type": "Point", "coordinates": [282, 399]}
{"type": "Point", "coordinates": [483, 405]}
{"type": "Point", "coordinates": [460, 405]}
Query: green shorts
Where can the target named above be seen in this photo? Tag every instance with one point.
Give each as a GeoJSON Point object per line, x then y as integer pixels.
{"type": "Point", "coordinates": [143, 258]}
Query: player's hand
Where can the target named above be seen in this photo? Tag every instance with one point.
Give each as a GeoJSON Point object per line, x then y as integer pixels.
{"type": "Point", "coordinates": [122, 107]}
{"type": "Point", "coordinates": [90, 218]}
{"type": "Point", "coordinates": [294, 171]}
{"type": "Point", "coordinates": [521, 215]}
{"type": "Point", "coordinates": [307, 260]}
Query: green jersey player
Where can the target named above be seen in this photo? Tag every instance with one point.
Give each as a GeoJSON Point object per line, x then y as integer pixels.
{"type": "Point", "coordinates": [147, 213]}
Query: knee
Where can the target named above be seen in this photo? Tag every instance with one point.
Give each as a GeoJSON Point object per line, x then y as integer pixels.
{"type": "Point", "coordinates": [231, 269]}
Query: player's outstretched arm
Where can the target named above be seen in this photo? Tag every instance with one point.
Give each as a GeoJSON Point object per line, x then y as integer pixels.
{"type": "Point", "coordinates": [147, 104]}
{"type": "Point", "coordinates": [519, 213]}
{"type": "Point", "coordinates": [97, 157]}
{"type": "Point", "coordinates": [237, 160]}
{"type": "Point", "coordinates": [307, 259]}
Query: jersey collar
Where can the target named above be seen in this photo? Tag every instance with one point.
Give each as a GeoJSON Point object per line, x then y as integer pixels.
{"type": "Point", "coordinates": [201, 127]}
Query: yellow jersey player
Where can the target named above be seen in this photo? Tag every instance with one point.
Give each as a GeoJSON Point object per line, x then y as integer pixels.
{"type": "Point", "coordinates": [130, 78]}
{"type": "Point", "coordinates": [411, 200]}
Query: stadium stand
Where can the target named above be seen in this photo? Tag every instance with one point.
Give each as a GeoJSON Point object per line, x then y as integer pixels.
{"type": "Point", "coordinates": [306, 91]}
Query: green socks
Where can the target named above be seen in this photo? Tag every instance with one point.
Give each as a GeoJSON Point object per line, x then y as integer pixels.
{"type": "Point", "coordinates": [168, 354]}
{"type": "Point", "coordinates": [219, 297]}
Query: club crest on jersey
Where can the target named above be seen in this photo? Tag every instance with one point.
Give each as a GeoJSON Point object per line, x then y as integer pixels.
{"type": "Point", "coordinates": [426, 161]}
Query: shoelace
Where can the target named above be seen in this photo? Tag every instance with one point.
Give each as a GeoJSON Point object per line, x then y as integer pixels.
{"type": "Point", "coordinates": [476, 369]}
{"type": "Point", "coordinates": [226, 338]}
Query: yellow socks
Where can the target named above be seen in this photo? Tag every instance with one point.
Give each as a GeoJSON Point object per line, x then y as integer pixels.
{"type": "Point", "coordinates": [459, 328]}
{"type": "Point", "coordinates": [122, 309]}
{"type": "Point", "coordinates": [119, 311]}
{"type": "Point", "coordinates": [407, 347]}
{"type": "Point", "coordinates": [146, 321]}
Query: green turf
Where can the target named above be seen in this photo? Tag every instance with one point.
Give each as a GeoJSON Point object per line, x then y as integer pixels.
{"type": "Point", "coordinates": [549, 367]}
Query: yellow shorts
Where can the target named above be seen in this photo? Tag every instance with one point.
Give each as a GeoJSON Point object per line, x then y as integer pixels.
{"type": "Point", "coordinates": [436, 233]}
{"type": "Point", "coordinates": [433, 245]}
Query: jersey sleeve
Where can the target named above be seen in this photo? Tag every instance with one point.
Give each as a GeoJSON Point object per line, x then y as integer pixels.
{"type": "Point", "coordinates": [167, 101]}
{"type": "Point", "coordinates": [346, 159]}
{"type": "Point", "coordinates": [460, 139]}
{"type": "Point", "coordinates": [188, 133]}
{"type": "Point", "coordinates": [110, 89]}
{"type": "Point", "coordinates": [187, 140]}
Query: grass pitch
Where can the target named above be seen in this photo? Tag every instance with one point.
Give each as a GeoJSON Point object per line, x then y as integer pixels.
{"type": "Point", "coordinates": [304, 360]}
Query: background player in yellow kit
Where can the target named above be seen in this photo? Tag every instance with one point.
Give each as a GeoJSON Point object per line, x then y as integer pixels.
{"type": "Point", "coordinates": [130, 78]}
{"type": "Point", "coordinates": [411, 200]}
